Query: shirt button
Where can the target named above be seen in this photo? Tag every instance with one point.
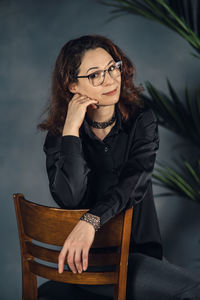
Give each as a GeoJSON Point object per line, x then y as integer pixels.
{"type": "Point", "coordinates": [106, 149]}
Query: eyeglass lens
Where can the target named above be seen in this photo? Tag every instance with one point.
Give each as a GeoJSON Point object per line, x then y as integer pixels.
{"type": "Point", "coordinates": [97, 78]}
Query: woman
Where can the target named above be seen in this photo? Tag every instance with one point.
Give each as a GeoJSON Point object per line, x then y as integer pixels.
{"type": "Point", "coordinates": [100, 152]}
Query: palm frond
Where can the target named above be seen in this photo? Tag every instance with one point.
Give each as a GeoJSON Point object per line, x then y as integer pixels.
{"type": "Point", "coordinates": [189, 11]}
{"type": "Point", "coordinates": [184, 183]}
{"type": "Point", "coordinates": [179, 116]}
{"type": "Point", "coordinates": [180, 16]}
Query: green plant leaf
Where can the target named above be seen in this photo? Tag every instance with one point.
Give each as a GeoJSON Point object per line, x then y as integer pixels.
{"type": "Point", "coordinates": [193, 172]}
{"type": "Point", "coordinates": [160, 11]}
{"type": "Point", "coordinates": [185, 184]}
{"type": "Point", "coordinates": [182, 117]}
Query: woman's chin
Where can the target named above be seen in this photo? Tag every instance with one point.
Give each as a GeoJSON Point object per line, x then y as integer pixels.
{"type": "Point", "coordinates": [104, 102]}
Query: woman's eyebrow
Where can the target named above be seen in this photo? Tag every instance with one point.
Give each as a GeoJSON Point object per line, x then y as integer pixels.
{"type": "Point", "coordinates": [97, 67]}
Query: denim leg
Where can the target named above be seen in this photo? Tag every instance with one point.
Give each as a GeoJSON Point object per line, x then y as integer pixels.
{"type": "Point", "coordinates": [190, 293]}
{"type": "Point", "coordinates": [151, 279]}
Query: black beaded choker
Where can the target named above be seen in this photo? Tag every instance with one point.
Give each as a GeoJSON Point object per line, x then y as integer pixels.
{"type": "Point", "coordinates": [101, 125]}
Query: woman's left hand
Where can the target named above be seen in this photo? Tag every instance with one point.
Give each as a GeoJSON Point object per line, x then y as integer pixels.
{"type": "Point", "coordinates": [76, 247]}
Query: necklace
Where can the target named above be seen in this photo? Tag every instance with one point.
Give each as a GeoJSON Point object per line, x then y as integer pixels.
{"type": "Point", "coordinates": [101, 125]}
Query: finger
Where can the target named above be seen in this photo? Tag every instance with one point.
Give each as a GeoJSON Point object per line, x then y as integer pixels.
{"type": "Point", "coordinates": [70, 260]}
{"type": "Point", "coordinates": [77, 97]}
{"type": "Point", "coordinates": [88, 101]}
{"type": "Point", "coordinates": [82, 98]}
{"type": "Point", "coordinates": [85, 252]}
{"type": "Point", "coordinates": [77, 259]}
{"type": "Point", "coordinates": [61, 259]}
{"type": "Point", "coordinates": [92, 106]}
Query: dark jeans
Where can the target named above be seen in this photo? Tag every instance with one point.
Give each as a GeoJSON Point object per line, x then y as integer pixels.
{"type": "Point", "coordinates": [148, 279]}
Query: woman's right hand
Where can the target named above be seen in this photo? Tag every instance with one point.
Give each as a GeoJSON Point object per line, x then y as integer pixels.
{"type": "Point", "coordinates": [77, 108]}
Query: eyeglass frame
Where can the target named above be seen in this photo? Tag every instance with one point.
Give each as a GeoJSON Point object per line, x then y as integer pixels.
{"type": "Point", "coordinates": [104, 71]}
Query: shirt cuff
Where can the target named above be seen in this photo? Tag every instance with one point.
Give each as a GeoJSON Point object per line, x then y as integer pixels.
{"type": "Point", "coordinates": [71, 144]}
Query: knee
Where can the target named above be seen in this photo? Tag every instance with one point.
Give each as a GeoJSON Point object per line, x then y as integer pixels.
{"type": "Point", "coordinates": [192, 293]}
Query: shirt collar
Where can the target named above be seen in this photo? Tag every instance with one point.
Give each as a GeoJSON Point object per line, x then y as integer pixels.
{"type": "Point", "coordinates": [116, 128]}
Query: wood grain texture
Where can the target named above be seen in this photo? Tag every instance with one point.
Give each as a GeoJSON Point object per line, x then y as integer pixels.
{"type": "Point", "coordinates": [50, 255]}
{"type": "Point", "coordinates": [51, 226]}
{"type": "Point", "coordinates": [69, 277]}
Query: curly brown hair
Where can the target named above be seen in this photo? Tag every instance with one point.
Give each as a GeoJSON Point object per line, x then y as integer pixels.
{"type": "Point", "coordinates": [66, 70]}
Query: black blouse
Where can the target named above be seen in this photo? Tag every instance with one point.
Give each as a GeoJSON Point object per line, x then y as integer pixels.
{"type": "Point", "coordinates": [111, 175]}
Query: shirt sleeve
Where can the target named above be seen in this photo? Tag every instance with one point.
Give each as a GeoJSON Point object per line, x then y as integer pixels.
{"type": "Point", "coordinates": [135, 176]}
{"type": "Point", "coordinates": [67, 170]}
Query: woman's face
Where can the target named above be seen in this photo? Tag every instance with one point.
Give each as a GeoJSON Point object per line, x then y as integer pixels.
{"type": "Point", "coordinates": [93, 60]}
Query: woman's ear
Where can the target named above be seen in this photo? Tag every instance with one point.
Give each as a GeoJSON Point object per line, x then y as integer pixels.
{"type": "Point", "coordinates": [73, 87]}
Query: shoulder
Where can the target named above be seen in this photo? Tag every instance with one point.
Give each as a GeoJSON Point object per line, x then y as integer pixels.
{"type": "Point", "coordinates": [143, 124]}
{"type": "Point", "coordinates": [145, 116]}
{"type": "Point", "coordinates": [141, 118]}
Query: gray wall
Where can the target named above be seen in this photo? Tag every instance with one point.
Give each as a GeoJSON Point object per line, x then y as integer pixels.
{"type": "Point", "coordinates": [32, 33]}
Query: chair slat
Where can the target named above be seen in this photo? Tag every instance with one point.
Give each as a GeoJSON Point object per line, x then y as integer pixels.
{"type": "Point", "coordinates": [92, 278]}
{"type": "Point", "coordinates": [42, 253]}
{"type": "Point", "coordinates": [104, 259]}
{"type": "Point", "coordinates": [52, 226]}
{"type": "Point", "coordinates": [50, 219]}
{"type": "Point", "coordinates": [50, 255]}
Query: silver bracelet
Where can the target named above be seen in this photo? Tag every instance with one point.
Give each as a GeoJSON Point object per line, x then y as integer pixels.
{"type": "Point", "coordinates": [92, 219]}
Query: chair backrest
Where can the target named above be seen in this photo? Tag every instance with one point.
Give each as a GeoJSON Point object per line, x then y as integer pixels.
{"type": "Point", "coordinates": [52, 226]}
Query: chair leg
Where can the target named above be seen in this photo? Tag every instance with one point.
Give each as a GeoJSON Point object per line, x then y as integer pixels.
{"type": "Point", "coordinates": [119, 294]}
{"type": "Point", "coordinates": [29, 283]}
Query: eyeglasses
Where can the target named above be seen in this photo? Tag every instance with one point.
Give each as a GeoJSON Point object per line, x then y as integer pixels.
{"type": "Point", "coordinates": [97, 78]}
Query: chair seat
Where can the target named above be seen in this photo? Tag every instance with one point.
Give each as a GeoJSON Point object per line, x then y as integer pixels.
{"type": "Point", "coordinates": [52, 290]}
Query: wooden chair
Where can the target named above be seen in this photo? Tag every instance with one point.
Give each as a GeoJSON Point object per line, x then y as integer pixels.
{"type": "Point", "coordinates": [52, 226]}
